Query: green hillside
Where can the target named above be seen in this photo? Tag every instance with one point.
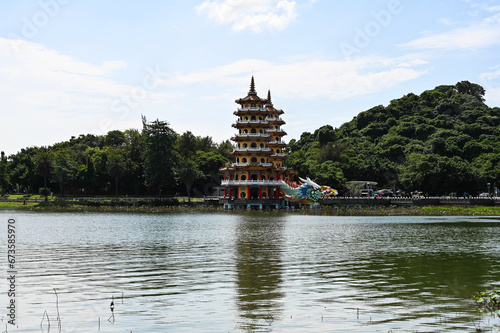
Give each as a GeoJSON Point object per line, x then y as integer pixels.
{"type": "Point", "coordinates": [444, 141]}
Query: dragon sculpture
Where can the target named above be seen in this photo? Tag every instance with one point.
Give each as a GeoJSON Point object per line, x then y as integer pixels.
{"type": "Point", "coordinates": [308, 192]}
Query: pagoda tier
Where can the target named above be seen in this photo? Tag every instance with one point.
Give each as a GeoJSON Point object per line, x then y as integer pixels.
{"type": "Point", "coordinates": [260, 137]}
{"type": "Point", "coordinates": [251, 111]}
{"type": "Point", "coordinates": [275, 131]}
{"type": "Point", "coordinates": [264, 152]}
{"type": "Point", "coordinates": [250, 124]}
{"type": "Point", "coordinates": [276, 144]}
{"type": "Point", "coordinates": [275, 121]}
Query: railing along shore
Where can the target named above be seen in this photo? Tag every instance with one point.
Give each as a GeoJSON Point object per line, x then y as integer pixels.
{"type": "Point", "coordinates": [331, 201]}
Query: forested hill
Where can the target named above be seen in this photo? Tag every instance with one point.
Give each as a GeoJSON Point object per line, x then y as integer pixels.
{"type": "Point", "coordinates": [444, 141]}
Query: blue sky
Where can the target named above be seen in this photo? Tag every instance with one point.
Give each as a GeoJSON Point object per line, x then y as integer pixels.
{"type": "Point", "coordinates": [71, 67]}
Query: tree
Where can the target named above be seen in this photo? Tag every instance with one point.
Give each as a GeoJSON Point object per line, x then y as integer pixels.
{"type": "Point", "coordinates": [44, 166]}
{"type": "Point", "coordinates": [329, 173]}
{"type": "Point", "coordinates": [29, 173]}
{"type": "Point", "coordinates": [225, 148]}
{"type": "Point", "coordinates": [205, 143]}
{"type": "Point", "coordinates": [65, 168]}
{"type": "Point", "coordinates": [209, 163]}
{"type": "Point", "coordinates": [187, 144]}
{"type": "Point", "coordinates": [116, 168]}
{"type": "Point", "coordinates": [331, 152]}
{"type": "Point", "coordinates": [160, 157]}
{"type": "Point", "coordinates": [325, 134]}
{"type": "Point", "coordinates": [89, 174]}
{"type": "Point", "coordinates": [466, 87]}
{"type": "Point", "coordinates": [188, 173]}
{"type": "Point", "coordinates": [115, 138]}
{"type": "Point", "coordinates": [438, 175]}
{"type": "Point", "coordinates": [4, 180]}
{"type": "Point", "coordinates": [132, 152]}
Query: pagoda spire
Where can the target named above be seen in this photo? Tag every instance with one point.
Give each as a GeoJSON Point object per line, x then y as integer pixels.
{"type": "Point", "coordinates": [252, 88]}
{"type": "Point", "coordinates": [269, 102]}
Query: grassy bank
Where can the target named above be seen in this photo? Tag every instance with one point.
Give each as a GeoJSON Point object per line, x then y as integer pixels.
{"type": "Point", "coordinates": [197, 207]}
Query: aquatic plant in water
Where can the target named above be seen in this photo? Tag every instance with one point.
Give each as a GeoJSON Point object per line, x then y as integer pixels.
{"type": "Point", "coordinates": [488, 301]}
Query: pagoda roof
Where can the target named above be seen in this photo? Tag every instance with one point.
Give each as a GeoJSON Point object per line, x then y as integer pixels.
{"type": "Point", "coordinates": [269, 105]}
{"type": "Point", "coordinates": [252, 95]}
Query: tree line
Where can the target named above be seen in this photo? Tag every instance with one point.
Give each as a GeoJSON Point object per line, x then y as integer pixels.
{"type": "Point", "coordinates": [155, 161]}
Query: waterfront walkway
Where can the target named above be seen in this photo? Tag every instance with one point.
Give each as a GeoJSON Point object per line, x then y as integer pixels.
{"type": "Point", "coordinates": [338, 201]}
{"type": "Point", "coordinates": [411, 201]}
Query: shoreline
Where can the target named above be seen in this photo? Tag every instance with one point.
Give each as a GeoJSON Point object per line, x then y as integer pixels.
{"type": "Point", "coordinates": [320, 211]}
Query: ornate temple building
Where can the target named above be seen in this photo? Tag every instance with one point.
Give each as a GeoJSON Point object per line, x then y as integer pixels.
{"type": "Point", "coordinates": [254, 179]}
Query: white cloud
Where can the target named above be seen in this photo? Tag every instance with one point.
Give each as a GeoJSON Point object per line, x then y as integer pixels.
{"type": "Point", "coordinates": [253, 15]}
{"type": "Point", "coordinates": [46, 95]}
{"type": "Point", "coordinates": [494, 8]}
{"type": "Point", "coordinates": [337, 80]}
{"type": "Point", "coordinates": [492, 95]}
{"type": "Point", "coordinates": [483, 34]}
{"type": "Point", "coordinates": [490, 76]}
{"type": "Point", "coordinates": [491, 83]}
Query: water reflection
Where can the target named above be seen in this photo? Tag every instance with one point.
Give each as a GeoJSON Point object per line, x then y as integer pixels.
{"type": "Point", "coordinates": [254, 273]}
{"type": "Point", "coordinates": [259, 268]}
{"type": "Point", "coordinates": [413, 271]}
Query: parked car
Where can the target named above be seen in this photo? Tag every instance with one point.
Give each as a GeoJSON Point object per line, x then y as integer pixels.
{"type": "Point", "coordinates": [385, 193]}
{"type": "Point", "coordinates": [484, 195]}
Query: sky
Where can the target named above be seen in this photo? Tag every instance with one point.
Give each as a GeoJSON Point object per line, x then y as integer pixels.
{"type": "Point", "coordinates": [72, 67]}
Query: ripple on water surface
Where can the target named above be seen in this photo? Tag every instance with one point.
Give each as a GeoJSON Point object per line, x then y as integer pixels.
{"type": "Point", "coordinates": [253, 272]}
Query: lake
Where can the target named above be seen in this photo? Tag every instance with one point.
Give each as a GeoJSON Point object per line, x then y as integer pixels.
{"type": "Point", "coordinates": [255, 272]}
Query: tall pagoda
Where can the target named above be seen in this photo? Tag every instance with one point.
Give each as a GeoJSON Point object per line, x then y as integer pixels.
{"type": "Point", "coordinates": [254, 179]}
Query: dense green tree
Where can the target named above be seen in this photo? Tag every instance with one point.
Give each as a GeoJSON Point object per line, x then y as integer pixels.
{"type": "Point", "coordinates": [4, 177]}
{"type": "Point", "coordinates": [205, 143]}
{"type": "Point", "coordinates": [439, 175]}
{"type": "Point", "coordinates": [115, 138]}
{"type": "Point", "coordinates": [159, 157]}
{"type": "Point", "coordinates": [132, 151]}
{"type": "Point", "coordinates": [332, 152]}
{"type": "Point", "coordinates": [29, 176]}
{"type": "Point", "coordinates": [99, 160]}
{"type": "Point", "coordinates": [225, 148]}
{"type": "Point", "coordinates": [466, 87]}
{"type": "Point", "coordinates": [89, 175]}
{"type": "Point", "coordinates": [187, 143]}
{"type": "Point", "coordinates": [325, 135]}
{"type": "Point", "coordinates": [44, 165]}
{"type": "Point", "coordinates": [329, 173]}
{"type": "Point", "coordinates": [116, 167]}
{"type": "Point", "coordinates": [65, 169]}
{"type": "Point", "coordinates": [188, 173]}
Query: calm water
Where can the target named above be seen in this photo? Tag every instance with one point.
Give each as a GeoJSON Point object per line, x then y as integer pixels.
{"type": "Point", "coordinates": [250, 273]}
